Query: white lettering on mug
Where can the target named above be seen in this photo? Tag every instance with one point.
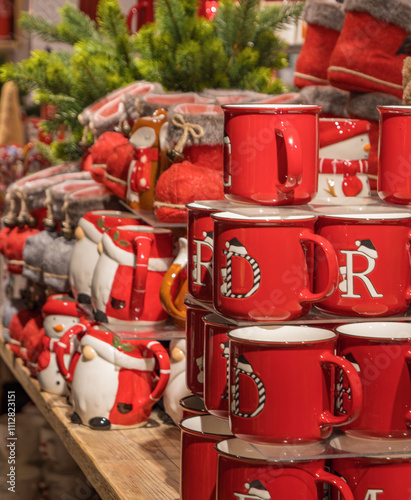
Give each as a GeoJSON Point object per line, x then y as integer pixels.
{"type": "Point", "coordinates": [237, 249]}
{"type": "Point", "coordinates": [256, 491]}
{"type": "Point", "coordinates": [244, 367]}
{"type": "Point", "coordinates": [370, 495]}
{"type": "Point", "coordinates": [366, 250]}
{"type": "Point", "coordinates": [198, 262]}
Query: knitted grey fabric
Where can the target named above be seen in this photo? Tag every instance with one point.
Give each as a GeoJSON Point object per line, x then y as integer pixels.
{"type": "Point", "coordinates": [56, 264]}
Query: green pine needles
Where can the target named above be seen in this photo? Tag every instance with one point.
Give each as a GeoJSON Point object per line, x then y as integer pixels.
{"type": "Point", "coordinates": [238, 49]}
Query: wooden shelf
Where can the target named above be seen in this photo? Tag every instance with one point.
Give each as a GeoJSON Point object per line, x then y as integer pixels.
{"type": "Point", "coordinates": [127, 464]}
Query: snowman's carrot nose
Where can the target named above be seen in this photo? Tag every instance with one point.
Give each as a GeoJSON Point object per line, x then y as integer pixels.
{"type": "Point", "coordinates": [58, 328]}
{"type": "Point", "coordinates": [367, 147]}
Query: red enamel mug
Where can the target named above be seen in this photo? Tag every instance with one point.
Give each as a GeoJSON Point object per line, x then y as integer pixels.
{"type": "Point", "coordinates": [373, 250]}
{"type": "Point", "coordinates": [192, 406]}
{"type": "Point", "coordinates": [282, 384]}
{"type": "Point", "coordinates": [380, 471]}
{"type": "Point", "coordinates": [199, 435]}
{"type": "Point", "coordinates": [200, 246]}
{"type": "Point", "coordinates": [195, 348]}
{"type": "Point", "coordinates": [128, 275]}
{"type": "Point", "coordinates": [263, 264]}
{"type": "Point", "coordinates": [271, 153]}
{"type": "Point", "coordinates": [216, 366]}
{"type": "Point", "coordinates": [394, 160]}
{"type": "Point", "coordinates": [263, 472]}
{"type": "Point", "coordinates": [381, 354]}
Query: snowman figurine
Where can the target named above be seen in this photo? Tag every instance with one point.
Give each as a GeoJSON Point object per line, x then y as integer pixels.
{"type": "Point", "coordinates": [60, 313]}
{"type": "Point", "coordinates": [114, 384]}
{"type": "Point", "coordinates": [176, 388]}
{"type": "Point", "coordinates": [343, 165]}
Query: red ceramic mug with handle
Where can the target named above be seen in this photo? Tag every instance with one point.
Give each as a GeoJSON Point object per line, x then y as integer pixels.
{"type": "Point", "coordinates": [373, 250]}
{"type": "Point", "coordinates": [394, 167]}
{"type": "Point", "coordinates": [251, 472]}
{"type": "Point", "coordinates": [263, 264]}
{"type": "Point", "coordinates": [200, 229]}
{"type": "Point", "coordinates": [282, 384]}
{"type": "Point", "coordinates": [199, 436]}
{"type": "Point", "coordinates": [216, 366]}
{"type": "Point", "coordinates": [271, 153]}
{"type": "Point", "coordinates": [381, 470]}
{"type": "Point", "coordinates": [381, 353]}
{"type": "Point", "coordinates": [195, 348]}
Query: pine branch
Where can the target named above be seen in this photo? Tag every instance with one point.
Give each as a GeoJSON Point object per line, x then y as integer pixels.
{"type": "Point", "coordinates": [76, 26]}
{"type": "Point", "coordinates": [44, 29]}
{"type": "Point", "coordinates": [111, 20]}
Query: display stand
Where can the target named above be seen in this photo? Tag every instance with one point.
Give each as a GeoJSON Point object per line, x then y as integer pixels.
{"type": "Point", "coordinates": [121, 464]}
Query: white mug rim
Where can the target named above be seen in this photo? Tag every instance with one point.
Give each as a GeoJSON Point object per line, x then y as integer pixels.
{"type": "Point", "coordinates": [382, 326]}
{"type": "Point", "coordinates": [291, 335]}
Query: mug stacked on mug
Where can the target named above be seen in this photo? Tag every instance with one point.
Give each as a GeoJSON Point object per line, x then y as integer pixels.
{"type": "Point", "coordinates": [258, 261]}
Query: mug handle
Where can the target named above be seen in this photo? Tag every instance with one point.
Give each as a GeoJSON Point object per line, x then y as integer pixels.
{"type": "Point", "coordinates": [180, 262]}
{"type": "Point", "coordinates": [332, 262]}
{"type": "Point", "coordinates": [288, 139]}
{"type": "Point", "coordinates": [78, 331]}
{"type": "Point", "coordinates": [408, 415]}
{"type": "Point", "coordinates": [323, 476]}
{"type": "Point", "coordinates": [138, 292]}
{"type": "Point", "coordinates": [327, 418]}
{"type": "Point", "coordinates": [408, 291]}
{"type": "Point", "coordinates": [164, 364]}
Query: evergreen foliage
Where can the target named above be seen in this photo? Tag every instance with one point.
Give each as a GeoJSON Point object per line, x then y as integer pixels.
{"type": "Point", "coordinates": [102, 59]}
{"type": "Point", "coordinates": [238, 49]}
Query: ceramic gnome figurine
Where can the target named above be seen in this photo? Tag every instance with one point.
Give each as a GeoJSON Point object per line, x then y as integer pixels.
{"type": "Point", "coordinates": [114, 383]}
{"type": "Point", "coordinates": [60, 313]}
{"type": "Point", "coordinates": [343, 166]}
{"type": "Point", "coordinates": [176, 388]}
{"type": "Point", "coordinates": [88, 234]}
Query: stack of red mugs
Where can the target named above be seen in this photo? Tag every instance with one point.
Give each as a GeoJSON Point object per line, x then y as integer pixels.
{"type": "Point", "coordinates": [288, 340]}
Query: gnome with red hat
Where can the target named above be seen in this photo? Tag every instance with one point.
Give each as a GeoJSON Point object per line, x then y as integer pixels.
{"type": "Point", "coordinates": [60, 313]}
{"type": "Point", "coordinates": [114, 383]}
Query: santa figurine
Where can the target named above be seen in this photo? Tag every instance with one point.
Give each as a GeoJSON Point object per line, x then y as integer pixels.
{"type": "Point", "coordinates": [343, 165]}
{"type": "Point", "coordinates": [60, 313]}
{"type": "Point", "coordinates": [114, 383]}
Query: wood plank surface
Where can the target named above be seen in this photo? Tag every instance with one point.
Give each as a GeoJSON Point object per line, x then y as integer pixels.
{"type": "Point", "coordinates": [129, 464]}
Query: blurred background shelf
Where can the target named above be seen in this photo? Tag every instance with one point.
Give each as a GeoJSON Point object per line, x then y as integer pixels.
{"type": "Point", "coordinates": [121, 464]}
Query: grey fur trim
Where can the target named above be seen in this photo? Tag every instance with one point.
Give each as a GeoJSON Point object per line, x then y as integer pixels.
{"type": "Point", "coordinates": [78, 206]}
{"type": "Point", "coordinates": [212, 124]}
{"type": "Point", "coordinates": [33, 255]}
{"type": "Point", "coordinates": [58, 197]}
{"type": "Point", "coordinates": [397, 12]}
{"type": "Point", "coordinates": [9, 309]}
{"type": "Point", "coordinates": [332, 100]}
{"type": "Point", "coordinates": [323, 13]}
{"type": "Point", "coordinates": [220, 95]}
{"type": "Point", "coordinates": [56, 264]}
{"type": "Point", "coordinates": [364, 106]}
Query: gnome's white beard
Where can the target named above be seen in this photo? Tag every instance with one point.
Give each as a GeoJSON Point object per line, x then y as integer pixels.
{"type": "Point", "coordinates": [50, 379]}
{"type": "Point", "coordinates": [83, 262]}
{"type": "Point", "coordinates": [94, 388]}
{"type": "Point", "coordinates": [103, 279]}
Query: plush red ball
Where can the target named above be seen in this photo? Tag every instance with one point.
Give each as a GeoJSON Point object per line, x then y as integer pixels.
{"type": "Point", "coordinates": [13, 247]}
{"type": "Point", "coordinates": [184, 183]}
{"type": "Point", "coordinates": [104, 146]}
